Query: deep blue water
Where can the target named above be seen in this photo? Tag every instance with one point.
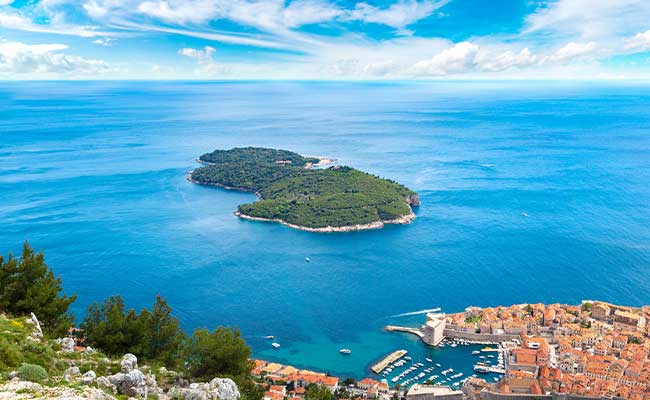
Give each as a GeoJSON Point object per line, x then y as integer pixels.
{"type": "Point", "coordinates": [94, 175]}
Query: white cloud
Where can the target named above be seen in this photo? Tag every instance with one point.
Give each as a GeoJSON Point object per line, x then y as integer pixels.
{"type": "Point", "coordinates": [204, 57]}
{"type": "Point", "coordinates": [589, 19]}
{"type": "Point", "coordinates": [104, 41]}
{"type": "Point", "coordinates": [45, 60]}
{"type": "Point", "coordinates": [638, 42]}
{"type": "Point", "coordinates": [300, 13]}
{"type": "Point", "coordinates": [457, 59]}
{"type": "Point", "coordinates": [506, 60]}
{"type": "Point", "coordinates": [21, 23]}
{"type": "Point", "coordinates": [465, 57]}
{"type": "Point", "coordinates": [5, 2]}
{"type": "Point", "coordinates": [398, 15]}
{"type": "Point", "coordinates": [572, 51]}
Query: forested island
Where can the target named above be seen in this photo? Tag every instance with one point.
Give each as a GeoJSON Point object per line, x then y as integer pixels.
{"type": "Point", "coordinates": [294, 192]}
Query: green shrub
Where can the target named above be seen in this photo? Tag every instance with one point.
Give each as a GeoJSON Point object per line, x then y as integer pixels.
{"type": "Point", "coordinates": [32, 373]}
{"type": "Point", "coordinates": [10, 356]}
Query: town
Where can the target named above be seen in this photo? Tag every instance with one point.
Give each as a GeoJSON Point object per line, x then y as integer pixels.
{"type": "Point", "coordinates": [588, 351]}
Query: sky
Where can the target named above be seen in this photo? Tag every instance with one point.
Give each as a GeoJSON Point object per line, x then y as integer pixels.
{"type": "Point", "coordinates": [324, 39]}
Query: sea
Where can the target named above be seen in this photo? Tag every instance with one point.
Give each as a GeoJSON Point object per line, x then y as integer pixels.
{"type": "Point", "coordinates": [530, 192]}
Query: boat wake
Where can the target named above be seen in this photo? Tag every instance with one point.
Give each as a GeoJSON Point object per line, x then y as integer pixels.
{"type": "Point", "coordinates": [407, 314]}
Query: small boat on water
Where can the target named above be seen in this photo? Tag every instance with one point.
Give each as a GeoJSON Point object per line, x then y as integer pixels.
{"type": "Point", "coordinates": [345, 351]}
{"type": "Point", "coordinates": [275, 345]}
{"type": "Point", "coordinates": [481, 369]}
{"type": "Point", "coordinates": [269, 337]}
{"type": "Point", "coordinates": [407, 358]}
{"type": "Point", "coordinates": [429, 360]}
{"type": "Point", "coordinates": [307, 259]}
{"type": "Point", "coordinates": [438, 365]}
{"type": "Point", "coordinates": [476, 353]}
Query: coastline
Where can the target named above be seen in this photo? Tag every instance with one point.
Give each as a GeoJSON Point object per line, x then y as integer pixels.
{"type": "Point", "coordinates": [405, 219]}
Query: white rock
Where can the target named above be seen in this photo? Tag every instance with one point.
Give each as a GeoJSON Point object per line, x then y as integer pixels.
{"type": "Point", "coordinates": [131, 383]}
{"type": "Point", "coordinates": [226, 389]}
{"type": "Point", "coordinates": [129, 362]}
{"type": "Point", "coordinates": [104, 383]}
{"type": "Point", "coordinates": [67, 344]}
{"type": "Point", "coordinates": [38, 332]}
{"type": "Point", "coordinates": [72, 374]}
{"type": "Point", "coordinates": [89, 377]}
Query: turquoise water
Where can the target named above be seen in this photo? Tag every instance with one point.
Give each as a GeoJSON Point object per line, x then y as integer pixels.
{"type": "Point", "coordinates": [94, 175]}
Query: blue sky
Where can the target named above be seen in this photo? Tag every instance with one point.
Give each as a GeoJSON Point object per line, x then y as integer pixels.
{"type": "Point", "coordinates": [324, 39]}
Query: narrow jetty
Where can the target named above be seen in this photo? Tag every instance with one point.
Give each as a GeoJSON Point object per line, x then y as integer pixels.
{"type": "Point", "coordinates": [389, 359]}
{"type": "Point", "coordinates": [406, 329]}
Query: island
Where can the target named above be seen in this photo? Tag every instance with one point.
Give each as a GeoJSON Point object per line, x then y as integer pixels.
{"type": "Point", "coordinates": [303, 193]}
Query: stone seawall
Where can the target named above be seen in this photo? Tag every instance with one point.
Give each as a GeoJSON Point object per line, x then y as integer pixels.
{"type": "Point", "coordinates": [479, 337]}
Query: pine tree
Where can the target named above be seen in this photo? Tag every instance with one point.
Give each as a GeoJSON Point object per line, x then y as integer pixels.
{"type": "Point", "coordinates": [28, 285]}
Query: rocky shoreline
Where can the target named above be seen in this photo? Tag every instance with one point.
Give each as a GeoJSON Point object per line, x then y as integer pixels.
{"type": "Point", "coordinates": [406, 219]}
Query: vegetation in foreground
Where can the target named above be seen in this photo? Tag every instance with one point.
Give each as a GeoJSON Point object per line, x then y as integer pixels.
{"type": "Point", "coordinates": [28, 285]}
{"type": "Point", "coordinates": [312, 198]}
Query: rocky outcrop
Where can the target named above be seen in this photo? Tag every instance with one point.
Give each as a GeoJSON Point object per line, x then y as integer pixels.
{"type": "Point", "coordinates": [89, 377]}
{"type": "Point", "coordinates": [72, 375]}
{"type": "Point", "coordinates": [216, 389]}
{"type": "Point", "coordinates": [413, 199]}
{"type": "Point", "coordinates": [131, 381]}
{"type": "Point", "coordinates": [19, 390]}
{"type": "Point", "coordinates": [37, 332]}
{"type": "Point", "coordinates": [67, 344]}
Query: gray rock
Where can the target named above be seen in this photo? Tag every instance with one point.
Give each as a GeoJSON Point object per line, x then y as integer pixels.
{"type": "Point", "coordinates": [72, 374]}
{"type": "Point", "coordinates": [67, 344]}
{"type": "Point", "coordinates": [129, 362]}
{"type": "Point", "coordinates": [104, 383]}
{"type": "Point", "coordinates": [38, 332]}
{"type": "Point", "coordinates": [217, 389]}
{"type": "Point", "coordinates": [16, 385]}
{"type": "Point", "coordinates": [12, 375]}
{"type": "Point", "coordinates": [131, 383]}
{"type": "Point", "coordinates": [89, 377]}
{"type": "Point", "coordinates": [88, 394]}
{"type": "Point", "coordinates": [226, 389]}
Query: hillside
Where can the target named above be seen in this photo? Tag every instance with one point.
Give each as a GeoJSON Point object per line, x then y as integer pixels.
{"type": "Point", "coordinates": [294, 193]}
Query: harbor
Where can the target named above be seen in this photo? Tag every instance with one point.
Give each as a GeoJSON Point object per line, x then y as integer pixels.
{"type": "Point", "coordinates": [451, 364]}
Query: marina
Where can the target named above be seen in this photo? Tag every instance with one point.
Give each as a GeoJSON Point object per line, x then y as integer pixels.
{"type": "Point", "coordinates": [386, 361]}
{"type": "Point", "coordinates": [414, 369]}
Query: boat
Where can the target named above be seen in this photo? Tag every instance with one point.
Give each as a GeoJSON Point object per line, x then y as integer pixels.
{"type": "Point", "coordinates": [275, 345]}
{"type": "Point", "coordinates": [429, 360]}
{"type": "Point", "coordinates": [345, 351]}
{"type": "Point", "coordinates": [438, 365]}
{"type": "Point", "coordinates": [481, 369]}
{"type": "Point", "coordinates": [407, 358]}
{"type": "Point", "coordinates": [476, 353]}
{"type": "Point", "coordinates": [307, 259]}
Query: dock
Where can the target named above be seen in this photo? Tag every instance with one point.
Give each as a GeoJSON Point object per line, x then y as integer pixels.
{"type": "Point", "coordinates": [414, 331]}
{"type": "Point", "coordinates": [389, 359]}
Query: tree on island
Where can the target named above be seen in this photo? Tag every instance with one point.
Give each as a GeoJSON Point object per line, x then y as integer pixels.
{"type": "Point", "coordinates": [28, 285]}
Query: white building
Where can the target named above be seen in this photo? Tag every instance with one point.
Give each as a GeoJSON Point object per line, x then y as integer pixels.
{"type": "Point", "coordinates": [433, 329]}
